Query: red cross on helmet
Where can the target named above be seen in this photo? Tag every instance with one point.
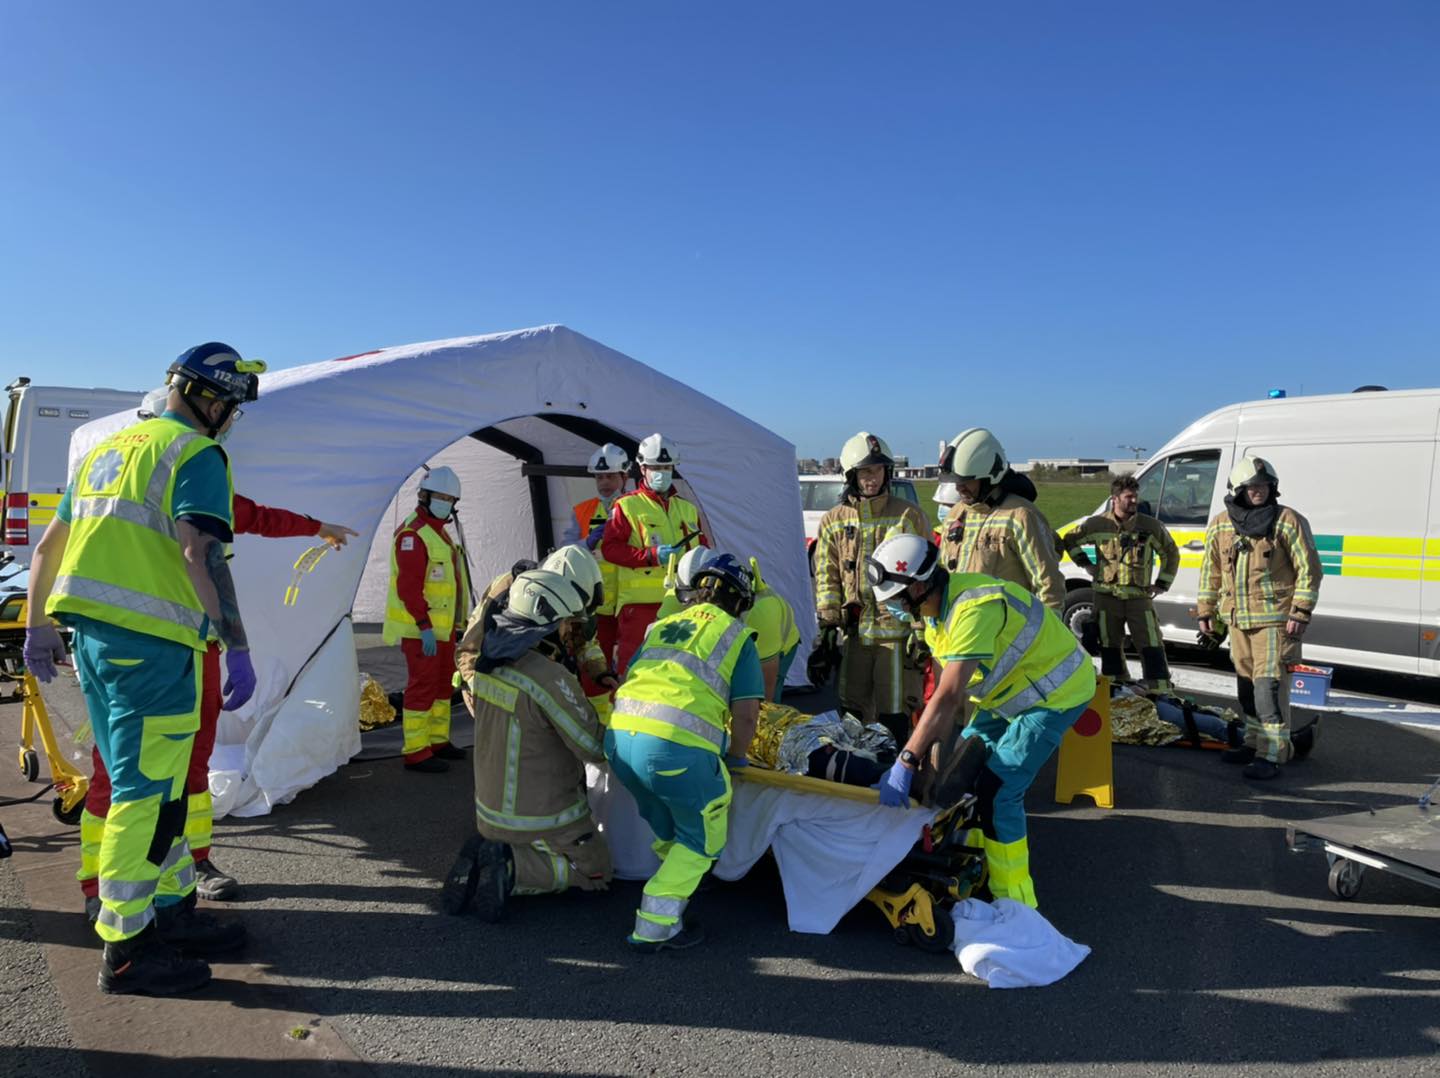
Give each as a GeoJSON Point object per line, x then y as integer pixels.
{"type": "Point", "coordinates": [898, 562]}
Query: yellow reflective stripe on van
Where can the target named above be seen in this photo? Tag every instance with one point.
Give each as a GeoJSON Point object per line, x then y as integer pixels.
{"type": "Point", "coordinates": [42, 509]}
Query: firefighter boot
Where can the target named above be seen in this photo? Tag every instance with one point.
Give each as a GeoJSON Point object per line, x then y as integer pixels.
{"type": "Point", "coordinates": [494, 881]}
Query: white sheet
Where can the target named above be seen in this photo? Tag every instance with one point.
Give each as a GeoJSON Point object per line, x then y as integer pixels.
{"type": "Point", "coordinates": [1008, 945]}
{"type": "Point", "coordinates": [831, 850]}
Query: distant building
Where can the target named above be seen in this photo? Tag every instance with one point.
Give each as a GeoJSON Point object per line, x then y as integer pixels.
{"type": "Point", "coordinates": [929, 471]}
{"type": "Point", "coordinates": [1095, 466]}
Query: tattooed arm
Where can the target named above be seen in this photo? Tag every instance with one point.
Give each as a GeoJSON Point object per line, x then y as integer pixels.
{"type": "Point", "coordinates": [205, 563]}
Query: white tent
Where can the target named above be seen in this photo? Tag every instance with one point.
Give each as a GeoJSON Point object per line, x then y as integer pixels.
{"type": "Point", "coordinates": [517, 414]}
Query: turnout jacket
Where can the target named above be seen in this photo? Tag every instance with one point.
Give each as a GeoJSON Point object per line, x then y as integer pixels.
{"type": "Point", "coordinates": [1253, 582]}
{"type": "Point", "coordinates": [1125, 553]}
{"type": "Point", "coordinates": [534, 733]}
{"type": "Point", "coordinates": [1010, 540]}
{"type": "Point", "coordinates": [848, 534]}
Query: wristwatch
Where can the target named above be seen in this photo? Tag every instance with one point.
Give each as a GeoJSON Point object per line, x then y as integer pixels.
{"type": "Point", "coordinates": [909, 759]}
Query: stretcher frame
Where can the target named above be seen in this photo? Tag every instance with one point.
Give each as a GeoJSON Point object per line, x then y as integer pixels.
{"type": "Point", "coordinates": [1403, 841]}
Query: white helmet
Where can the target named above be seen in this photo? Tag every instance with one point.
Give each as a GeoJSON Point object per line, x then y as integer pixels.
{"type": "Point", "coordinates": [864, 450]}
{"type": "Point", "coordinates": [1250, 468]}
{"type": "Point", "coordinates": [442, 480]}
{"type": "Point", "coordinates": [657, 451]}
{"type": "Point", "coordinates": [577, 565]}
{"type": "Point", "coordinates": [690, 564]}
{"type": "Point", "coordinates": [974, 454]}
{"type": "Point", "coordinates": [544, 598]}
{"type": "Point", "coordinates": [899, 562]}
{"type": "Point", "coordinates": [946, 494]}
{"type": "Point", "coordinates": [608, 458]}
{"type": "Point", "coordinates": [154, 403]}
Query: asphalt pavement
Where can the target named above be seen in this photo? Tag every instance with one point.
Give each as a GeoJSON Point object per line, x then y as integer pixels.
{"type": "Point", "coordinates": [1214, 947]}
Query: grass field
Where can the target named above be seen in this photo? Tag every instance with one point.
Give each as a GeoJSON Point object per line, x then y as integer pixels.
{"type": "Point", "coordinates": [1060, 502]}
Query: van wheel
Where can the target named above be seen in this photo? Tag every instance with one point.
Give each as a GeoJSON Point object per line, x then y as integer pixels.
{"type": "Point", "coordinates": [1079, 614]}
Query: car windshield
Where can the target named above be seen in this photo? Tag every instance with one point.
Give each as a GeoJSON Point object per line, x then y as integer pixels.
{"type": "Point", "coordinates": [826, 493]}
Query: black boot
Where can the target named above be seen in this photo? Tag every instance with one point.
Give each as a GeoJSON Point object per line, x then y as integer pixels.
{"type": "Point", "coordinates": [1242, 755]}
{"type": "Point", "coordinates": [147, 965]}
{"type": "Point", "coordinates": [448, 751]}
{"type": "Point", "coordinates": [428, 766]}
{"type": "Point", "coordinates": [458, 890]}
{"type": "Point", "coordinates": [690, 935]}
{"type": "Point", "coordinates": [494, 881]}
{"type": "Point", "coordinates": [182, 925]}
{"type": "Point", "coordinates": [1261, 769]}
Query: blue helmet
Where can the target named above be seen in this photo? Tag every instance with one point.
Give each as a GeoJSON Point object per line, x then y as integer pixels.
{"type": "Point", "coordinates": [216, 371]}
{"type": "Point", "coordinates": [731, 575]}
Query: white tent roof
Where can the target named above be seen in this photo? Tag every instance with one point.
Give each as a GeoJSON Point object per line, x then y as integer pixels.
{"type": "Point", "coordinates": [343, 441]}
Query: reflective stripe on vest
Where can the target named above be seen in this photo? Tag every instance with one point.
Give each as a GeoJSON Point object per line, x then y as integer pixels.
{"type": "Point", "coordinates": [683, 720]}
{"type": "Point", "coordinates": [1042, 686]}
{"type": "Point", "coordinates": [650, 523]}
{"type": "Point", "coordinates": [446, 598]}
{"type": "Point", "coordinates": [680, 678]}
{"type": "Point", "coordinates": [123, 564]}
{"type": "Point", "coordinates": [563, 720]}
{"type": "Point", "coordinates": [1034, 615]}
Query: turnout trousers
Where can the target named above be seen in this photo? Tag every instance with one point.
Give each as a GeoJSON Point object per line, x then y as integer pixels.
{"type": "Point", "coordinates": [1261, 658]}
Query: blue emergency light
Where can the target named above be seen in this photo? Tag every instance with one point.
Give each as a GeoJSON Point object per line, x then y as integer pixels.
{"type": "Point", "coordinates": [1276, 394]}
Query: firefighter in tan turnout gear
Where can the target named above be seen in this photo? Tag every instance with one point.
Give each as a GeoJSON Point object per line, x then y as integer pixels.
{"type": "Point", "coordinates": [1261, 577]}
{"type": "Point", "coordinates": [1127, 544]}
{"type": "Point", "coordinates": [995, 528]}
{"type": "Point", "coordinates": [534, 733]}
{"type": "Point", "coordinates": [873, 669]}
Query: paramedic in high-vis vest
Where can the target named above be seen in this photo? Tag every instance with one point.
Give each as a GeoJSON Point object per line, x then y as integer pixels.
{"type": "Point", "coordinates": [426, 611]}
{"type": "Point", "coordinates": [1015, 659]}
{"type": "Point", "coordinates": [534, 734]}
{"type": "Point", "coordinates": [685, 714]}
{"type": "Point", "coordinates": [610, 467]}
{"type": "Point", "coordinates": [647, 528]}
{"type": "Point", "coordinates": [875, 672]}
{"type": "Point", "coordinates": [1261, 576]}
{"type": "Point", "coordinates": [135, 564]}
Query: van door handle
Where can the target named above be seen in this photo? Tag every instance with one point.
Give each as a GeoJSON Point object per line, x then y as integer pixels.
{"type": "Point", "coordinates": [1195, 544]}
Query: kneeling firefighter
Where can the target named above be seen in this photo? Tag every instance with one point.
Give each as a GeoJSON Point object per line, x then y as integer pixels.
{"type": "Point", "coordinates": [1015, 659]}
{"type": "Point", "coordinates": [534, 733]}
{"type": "Point", "coordinates": [686, 710]}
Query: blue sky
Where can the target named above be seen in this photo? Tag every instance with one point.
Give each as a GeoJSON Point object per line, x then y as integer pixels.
{"type": "Point", "coordinates": [1080, 224]}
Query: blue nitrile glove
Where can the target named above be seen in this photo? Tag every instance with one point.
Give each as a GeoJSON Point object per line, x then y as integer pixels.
{"type": "Point", "coordinates": [895, 786]}
{"type": "Point", "coordinates": [596, 534]}
{"type": "Point", "coordinates": [664, 552]}
{"type": "Point", "coordinates": [428, 646]}
{"type": "Point", "coordinates": [240, 685]}
{"type": "Point", "coordinates": [43, 651]}
{"type": "Point", "coordinates": [735, 763]}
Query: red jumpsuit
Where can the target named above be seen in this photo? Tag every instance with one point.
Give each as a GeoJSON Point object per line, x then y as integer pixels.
{"type": "Point", "coordinates": [250, 519]}
{"type": "Point", "coordinates": [429, 678]}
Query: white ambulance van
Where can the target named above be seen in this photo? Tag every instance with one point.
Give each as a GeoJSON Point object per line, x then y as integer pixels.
{"type": "Point", "coordinates": [38, 423]}
{"type": "Point", "coordinates": [1362, 468]}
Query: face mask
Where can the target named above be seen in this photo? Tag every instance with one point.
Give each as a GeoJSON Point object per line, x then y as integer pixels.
{"type": "Point", "coordinates": [898, 610]}
{"type": "Point", "coordinates": [658, 481]}
{"type": "Point", "coordinates": [440, 509]}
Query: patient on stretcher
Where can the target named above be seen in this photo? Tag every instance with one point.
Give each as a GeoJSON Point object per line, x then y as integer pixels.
{"type": "Point", "coordinates": [826, 746]}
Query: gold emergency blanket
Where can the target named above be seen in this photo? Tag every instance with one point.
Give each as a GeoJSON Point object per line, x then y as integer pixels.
{"type": "Point", "coordinates": [375, 709]}
{"type": "Point", "coordinates": [785, 737]}
{"type": "Point", "coordinates": [1134, 721]}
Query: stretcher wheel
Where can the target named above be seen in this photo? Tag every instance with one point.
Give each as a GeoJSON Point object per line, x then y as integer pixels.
{"type": "Point", "coordinates": [1345, 877]}
{"type": "Point", "coordinates": [70, 818]}
{"type": "Point", "coordinates": [944, 937]}
{"type": "Point", "coordinates": [29, 764]}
